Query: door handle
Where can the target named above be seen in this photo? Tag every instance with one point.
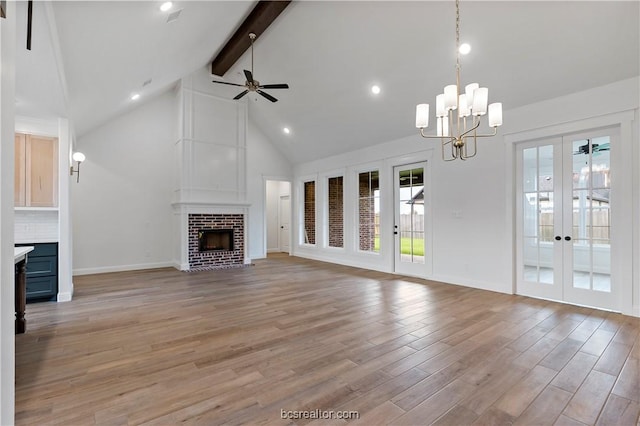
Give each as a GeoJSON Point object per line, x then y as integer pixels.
{"type": "Point", "coordinates": [558, 237]}
{"type": "Point", "coordinates": [567, 238]}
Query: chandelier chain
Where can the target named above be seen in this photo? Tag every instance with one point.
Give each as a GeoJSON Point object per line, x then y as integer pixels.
{"type": "Point", "coordinates": [457, 33]}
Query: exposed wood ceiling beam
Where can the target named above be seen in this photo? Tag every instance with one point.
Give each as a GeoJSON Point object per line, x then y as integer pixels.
{"type": "Point", "coordinates": [262, 15]}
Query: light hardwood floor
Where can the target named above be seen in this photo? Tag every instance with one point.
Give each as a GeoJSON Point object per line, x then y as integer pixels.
{"type": "Point", "coordinates": [239, 346]}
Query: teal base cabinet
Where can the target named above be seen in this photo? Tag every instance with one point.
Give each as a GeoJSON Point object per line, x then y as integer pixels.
{"type": "Point", "coordinates": [42, 272]}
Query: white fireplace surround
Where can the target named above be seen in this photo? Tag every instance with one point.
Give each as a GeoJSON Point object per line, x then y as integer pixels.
{"type": "Point", "coordinates": [181, 213]}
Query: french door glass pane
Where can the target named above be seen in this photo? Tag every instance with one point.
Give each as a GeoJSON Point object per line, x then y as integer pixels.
{"type": "Point", "coordinates": [538, 212]}
{"type": "Point", "coordinates": [591, 214]}
{"type": "Point", "coordinates": [411, 221]}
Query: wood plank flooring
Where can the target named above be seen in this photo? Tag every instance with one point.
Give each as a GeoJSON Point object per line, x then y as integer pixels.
{"type": "Point", "coordinates": [247, 345]}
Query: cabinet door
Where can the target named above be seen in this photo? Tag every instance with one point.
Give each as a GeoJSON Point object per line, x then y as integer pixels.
{"type": "Point", "coordinates": [42, 171]}
{"type": "Point", "coordinates": [20, 164]}
{"type": "Point", "coordinates": [41, 288]}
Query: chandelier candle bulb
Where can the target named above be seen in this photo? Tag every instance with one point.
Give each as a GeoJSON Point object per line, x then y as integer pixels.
{"type": "Point", "coordinates": [451, 97]}
{"type": "Point", "coordinates": [495, 114]}
{"type": "Point", "coordinates": [480, 99]}
{"type": "Point", "coordinates": [442, 129]}
{"type": "Point", "coordinates": [469, 89]}
{"type": "Point", "coordinates": [422, 116]}
{"type": "Point", "coordinates": [440, 110]}
{"type": "Point", "coordinates": [463, 107]}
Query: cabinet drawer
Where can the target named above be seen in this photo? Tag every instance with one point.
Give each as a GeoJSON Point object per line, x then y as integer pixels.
{"type": "Point", "coordinates": [41, 287]}
{"type": "Point", "coordinates": [45, 249]}
{"type": "Point", "coordinates": [42, 266]}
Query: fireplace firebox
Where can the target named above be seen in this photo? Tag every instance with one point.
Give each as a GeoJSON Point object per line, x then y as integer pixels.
{"type": "Point", "coordinates": [215, 240]}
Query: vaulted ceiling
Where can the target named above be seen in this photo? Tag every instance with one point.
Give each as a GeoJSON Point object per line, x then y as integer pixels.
{"type": "Point", "coordinates": [330, 53]}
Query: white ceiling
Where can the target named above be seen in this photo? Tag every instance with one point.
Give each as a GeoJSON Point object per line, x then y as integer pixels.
{"type": "Point", "coordinates": [331, 52]}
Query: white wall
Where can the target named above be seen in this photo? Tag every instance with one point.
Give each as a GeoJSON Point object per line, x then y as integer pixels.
{"type": "Point", "coordinates": [123, 217]}
{"type": "Point", "coordinates": [7, 287]}
{"type": "Point", "coordinates": [122, 205]}
{"type": "Point", "coordinates": [472, 205]}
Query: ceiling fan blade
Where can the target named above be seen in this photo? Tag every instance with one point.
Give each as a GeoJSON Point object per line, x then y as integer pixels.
{"type": "Point", "coordinates": [239, 95]}
{"type": "Point", "coordinates": [274, 86]}
{"type": "Point", "coordinates": [266, 95]}
{"type": "Point", "coordinates": [224, 82]}
{"type": "Point", "coordinates": [248, 75]}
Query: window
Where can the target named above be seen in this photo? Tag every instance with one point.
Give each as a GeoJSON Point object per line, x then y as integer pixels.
{"type": "Point", "coordinates": [310, 212]}
{"type": "Point", "coordinates": [335, 211]}
{"type": "Point", "coordinates": [369, 211]}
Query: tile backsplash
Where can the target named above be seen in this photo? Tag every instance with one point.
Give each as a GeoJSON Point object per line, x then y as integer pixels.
{"type": "Point", "coordinates": [35, 226]}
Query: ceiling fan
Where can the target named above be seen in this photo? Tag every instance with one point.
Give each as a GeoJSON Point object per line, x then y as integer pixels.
{"type": "Point", "coordinates": [595, 148]}
{"type": "Point", "coordinates": [254, 85]}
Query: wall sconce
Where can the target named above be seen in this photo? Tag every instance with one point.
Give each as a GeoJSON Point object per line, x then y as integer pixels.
{"type": "Point", "coordinates": [78, 157]}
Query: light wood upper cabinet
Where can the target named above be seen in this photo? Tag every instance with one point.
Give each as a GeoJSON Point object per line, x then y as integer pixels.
{"type": "Point", "coordinates": [37, 163]}
{"type": "Point", "coordinates": [20, 178]}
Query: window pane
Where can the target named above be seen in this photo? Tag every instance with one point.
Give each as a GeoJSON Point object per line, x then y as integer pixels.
{"type": "Point", "coordinates": [335, 204]}
{"type": "Point", "coordinates": [310, 212]}
{"type": "Point", "coordinates": [538, 214]}
{"type": "Point", "coordinates": [369, 211]}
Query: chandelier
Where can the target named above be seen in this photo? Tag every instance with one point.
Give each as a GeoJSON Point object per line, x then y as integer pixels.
{"type": "Point", "coordinates": [458, 114]}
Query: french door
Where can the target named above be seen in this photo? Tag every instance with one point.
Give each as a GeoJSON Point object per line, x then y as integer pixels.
{"type": "Point", "coordinates": [565, 213]}
{"type": "Point", "coordinates": [409, 219]}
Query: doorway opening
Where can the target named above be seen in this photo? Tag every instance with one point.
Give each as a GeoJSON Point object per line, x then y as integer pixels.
{"type": "Point", "coordinates": [278, 216]}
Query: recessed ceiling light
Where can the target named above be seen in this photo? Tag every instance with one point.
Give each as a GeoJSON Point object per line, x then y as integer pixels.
{"type": "Point", "coordinates": [166, 6]}
{"type": "Point", "coordinates": [375, 89]}
{"type": "Point", "coordinates": [135, 96]}
{"type": "Point", "coordinates": [286, 130]}
{"type": "Point", "coordinates": [464, 48]}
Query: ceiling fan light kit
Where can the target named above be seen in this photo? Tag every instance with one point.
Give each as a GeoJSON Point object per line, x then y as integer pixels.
{"type": "Point", "coordinates": [458, 132]}
{"type": "Point", "coordinates": [252, 85]}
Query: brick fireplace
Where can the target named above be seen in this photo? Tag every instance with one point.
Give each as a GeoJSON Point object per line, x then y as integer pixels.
{"type": "Point", "coordinates": [212, 236]}
{"type": "Point", "coordinates": [220, 254]}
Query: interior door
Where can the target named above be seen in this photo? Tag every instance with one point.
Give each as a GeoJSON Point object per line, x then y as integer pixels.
{"type": "Point", "coordinates": [409, 219]}
{"type": "Point", "coordinates": [565, 220]}
{"type": "Point", "coordinates": [285, 218]}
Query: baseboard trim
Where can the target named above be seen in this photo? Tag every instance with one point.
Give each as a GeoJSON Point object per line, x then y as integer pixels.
{"type": "Point", "coordinates": [64, 297]}
{"type": "Point", "coordinates": [122, 268]}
